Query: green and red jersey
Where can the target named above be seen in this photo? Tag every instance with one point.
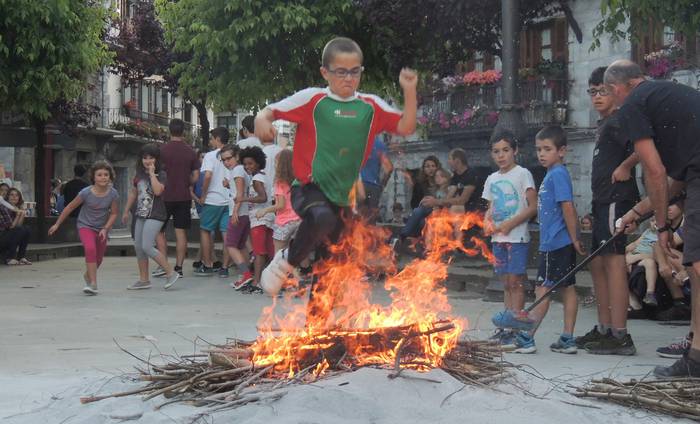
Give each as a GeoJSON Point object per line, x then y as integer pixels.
{"type": "Point", "coordinates": [334, 136]}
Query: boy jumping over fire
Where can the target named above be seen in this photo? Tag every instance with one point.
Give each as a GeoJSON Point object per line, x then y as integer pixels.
{"type": "Point", "coordinates": [335, 133]}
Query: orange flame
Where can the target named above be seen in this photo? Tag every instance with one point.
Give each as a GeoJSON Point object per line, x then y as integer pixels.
{"type": "Point", "coordinates": [290, 330]}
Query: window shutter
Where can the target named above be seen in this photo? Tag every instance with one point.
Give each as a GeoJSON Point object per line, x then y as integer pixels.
{"type": "Point", "coordinates": [560, 40]}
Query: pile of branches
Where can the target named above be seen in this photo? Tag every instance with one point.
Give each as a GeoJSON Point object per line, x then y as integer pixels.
{"type": "Point", "coordinates": [224, 376]}
{"type": "Point", "coordinates": [678, 397]}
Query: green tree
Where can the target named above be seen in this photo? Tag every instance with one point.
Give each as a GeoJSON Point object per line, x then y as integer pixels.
{"type": "Point", "coordinates": [47, 49]}
{"type": "Point", "coordinates": [681, 15]}
{"type": "Point", "coordinates": [245, 53]}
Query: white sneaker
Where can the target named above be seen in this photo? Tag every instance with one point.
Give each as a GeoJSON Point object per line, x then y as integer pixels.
{"type": "Point", "coordinates": [171, 280]}
{"type": "Point", "coordinates": [90, 290]}
{"type": "Point", "coordinates": [274, 275]}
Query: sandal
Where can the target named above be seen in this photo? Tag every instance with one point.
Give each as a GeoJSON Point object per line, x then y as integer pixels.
{"type": "Point", "coordinates": [25, 261]}
{"type": "Point", "coordinates": [12, 262]}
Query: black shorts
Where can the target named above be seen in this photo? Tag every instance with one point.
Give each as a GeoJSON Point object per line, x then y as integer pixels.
{"type": "Point", "coordinates": [180, 211]}
{"type": "Point", "coordinates": [604, 217]}
{"type": "Point", "coordinates": [691, 224]}
{"type": "Point", "coordinates": [554, 265]}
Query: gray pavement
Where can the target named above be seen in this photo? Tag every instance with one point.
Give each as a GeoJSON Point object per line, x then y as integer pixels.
{"type": "Point", "coordinates": [51, 333]}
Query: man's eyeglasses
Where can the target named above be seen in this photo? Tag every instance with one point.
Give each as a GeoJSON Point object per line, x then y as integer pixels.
{"type": "Point", "coordinates": [224, 159]}
{"type": "Point", "coordinates": [342, 72]}
{"type": "Point", "coordinates": [597, 91]}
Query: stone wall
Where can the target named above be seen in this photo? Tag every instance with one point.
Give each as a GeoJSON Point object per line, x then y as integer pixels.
{"type": "Point", "coordinates": [582, 61]}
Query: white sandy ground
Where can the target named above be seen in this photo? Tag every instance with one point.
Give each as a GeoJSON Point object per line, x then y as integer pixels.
{"type": "Point", "coordinates": [56, 345]}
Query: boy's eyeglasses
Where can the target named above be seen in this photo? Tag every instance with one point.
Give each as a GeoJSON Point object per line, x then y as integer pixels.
{"type": "Point", "coordinates": [597, 91]}
{"type": "Point", "coordinates": [342, 72]}
{"type": "Point", "coordinates": [224, 159]}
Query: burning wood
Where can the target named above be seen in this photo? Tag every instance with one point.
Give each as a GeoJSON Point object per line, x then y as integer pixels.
{"type": "Point", "coordinates": [229, 376]}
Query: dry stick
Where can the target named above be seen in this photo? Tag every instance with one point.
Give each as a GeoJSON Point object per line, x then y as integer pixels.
{"type": "Point", "coordinates": [397, 360]}
{"type": "Point", "coordinates": [250, 380]}
{"type": "Point", "coordinates": [88, 399]}
{"type": "Point", "coordinates": [656, 404]}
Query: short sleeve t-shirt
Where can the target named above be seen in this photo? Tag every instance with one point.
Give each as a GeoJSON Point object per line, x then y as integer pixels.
{"type": "Point", "coordinates": [466, 179]}
{"type": "Point", "coordinates": [71, 190]}
{"type": "Point", "coordinates": [238, 172]}
{"type": "Point", "coordinates": [668, 113]}
{"type": "Point", "coordinates": [249, 142]}
{"type": "Point", "coordinates": [286, 214]}
{"type": "Point", "coordinates": [217, 195]}
{"type": "Point", "coordinates": [371, 171]}
{"type": "Point", "coordinates": [179, 160]}
{"type": "Point", "coordinates": [507, 194]}
{"type": "Point", "coordinates": [334, 136]}
{"type": "Point", "coordinates": [268, 218]}
{"type": "Point", "coordinates": [611, 149]}
{"type": "Point", "coordinates": [555, 188]}
{"type": "Point", "coordinates": [95, 209]}
{"type": "Point", "coordinates": [271, 151]}
{"type": "Point", "coordinates": [148, 205]}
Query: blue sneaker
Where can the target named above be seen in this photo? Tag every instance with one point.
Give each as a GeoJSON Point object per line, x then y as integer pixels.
{"type": "Point", "coordinates": [565, 344]}
{"type": "Point", "coordinates": [505, 338]}
{"type": "Point", "coordinates": [507, 319]}
{"type": "Point", "coordinates": [524, 343]}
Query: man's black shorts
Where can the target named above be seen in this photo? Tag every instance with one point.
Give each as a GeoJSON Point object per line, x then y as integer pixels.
{"type": "Point", "coordinates": [555, 264]}
{"type": "Point", "coordinates": [691, 223]}
{"type": "Point", "coordinates": [180, 211]}
{"type": "Point", "coordinates": [604, 217]}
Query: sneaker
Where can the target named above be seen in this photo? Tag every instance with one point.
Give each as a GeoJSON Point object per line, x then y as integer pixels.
{"type": "Point", "coordinates": [592, 336]}
{"type": "Point", "coordinates": [90, 290]}
{"type": "Point", "coordinates": [505, 338]}
{"type": "Point", "coordinates": [223, 272]}
{"type": "Point", "coordinates": [675, 350]}
{"type": "Point", "coordinates": [524, 343]}
{"type": "Point", "coordinates": [251, 289]}
{"type": "Point", "coordinates": [159, 272]}
{"type": "Point", "coordinates": [140, 285]}
{"type": "Point", "coordinates": [564, 344]}
{"type": "Point", "coordinates": [171, 280]}
{"type": "Point", "coordinates": [684, 367]}
{"type": "Point", "coordinates": [217, 265]}
{"type": "Point", "coordinates": [178, 269]}
{"type": "Point", "coordinates": [204, 271]}
{"type": "Point", "coordinates": [274, 274]}
{"type": "Point", "coordinates": [650, 299]}
{"type": "Point", "coordinates": [197, 264]}
{"type": "Point", "coordinates": [245, 280]}
{"type": "Point", "coordinates": [611, 345]}
{"type": "Point", "coordinates": [678, 312]}
{"type": "Point", "coordinates": [508, 319]}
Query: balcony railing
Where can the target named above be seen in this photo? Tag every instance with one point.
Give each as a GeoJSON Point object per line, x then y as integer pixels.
{"type": "Point", "coordinates": [141, 123]}
{"type": "Point", "coordinates": [467, 107]}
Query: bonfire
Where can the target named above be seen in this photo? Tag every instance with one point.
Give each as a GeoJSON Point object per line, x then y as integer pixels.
{"type": "Point", "coordinates": [339, 329]}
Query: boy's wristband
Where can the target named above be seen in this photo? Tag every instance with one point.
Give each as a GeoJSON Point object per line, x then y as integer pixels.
{"type": "Point", "coordinates": [636, 213]}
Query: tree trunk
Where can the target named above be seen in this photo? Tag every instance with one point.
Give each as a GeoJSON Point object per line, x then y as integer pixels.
{"type": "Point", "coordinates": [203, 121]}
{"type": "Point", "coordinates": [41, 209]}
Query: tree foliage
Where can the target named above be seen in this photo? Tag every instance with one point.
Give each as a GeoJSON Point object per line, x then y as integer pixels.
{"type": "Point", "coordinates": [681, 15]}
{"type": "Point", "coordinates": [245, 53]}
{"type": "Point", "coordinates": [435, 35]}
{"type": "Point", "coordinates": [139, 45]}
{"type": "Point", "coordinates": [47, 49]}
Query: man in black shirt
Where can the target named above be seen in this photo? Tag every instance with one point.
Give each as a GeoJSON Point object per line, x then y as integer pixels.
{"type": "Point", "coordinates": [614, 193]}
{"type": "Point", "coordinates": [467, 194]}
{"type": "Point", "coordinates": [73, 187]}
{"type": "Point", "coordinates": [662, 118]}
{"type": "Point", "coordinates": [467, 183]}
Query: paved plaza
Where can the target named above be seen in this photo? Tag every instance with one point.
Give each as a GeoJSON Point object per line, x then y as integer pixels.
{"type": "Point", "coordinates": [57, 344]}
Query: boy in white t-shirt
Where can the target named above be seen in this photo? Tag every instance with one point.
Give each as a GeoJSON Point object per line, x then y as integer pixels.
{"type": "Point", "coordinates": [253, 160]}
{"type": "Point", "coordinates": [215, 200]}
{"type": "Point", "coordinates": [512, 199]}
